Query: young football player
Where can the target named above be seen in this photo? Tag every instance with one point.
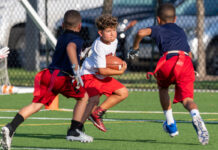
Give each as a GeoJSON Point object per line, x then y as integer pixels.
{"type": "Point", "coordinates": [174, 67]}
{"type": "Point", "coordinates": [96, 76]}
{"type": "Point", "coordinates": [62, 76]}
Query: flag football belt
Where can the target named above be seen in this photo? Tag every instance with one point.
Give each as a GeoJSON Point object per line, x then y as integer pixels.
{"type": "Point", "coordinates": [54, 73]}
{"type": "Point", "coordinates": [163, 59]}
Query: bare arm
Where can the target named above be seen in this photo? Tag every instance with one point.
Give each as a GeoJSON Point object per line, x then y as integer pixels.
{"type": "Point", "coordinates": [139, 36]}
{"type": "Point", "coordinates": [72, 54]}
{"type": "Point", "coordinates": [110, 72]}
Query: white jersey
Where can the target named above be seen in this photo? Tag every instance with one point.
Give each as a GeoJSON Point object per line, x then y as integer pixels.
{"type": "Point", "coordinates": [99, 51]}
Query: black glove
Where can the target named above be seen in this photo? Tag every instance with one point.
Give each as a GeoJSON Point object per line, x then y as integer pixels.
{"type": "Point", "coordinates": [132, 53]}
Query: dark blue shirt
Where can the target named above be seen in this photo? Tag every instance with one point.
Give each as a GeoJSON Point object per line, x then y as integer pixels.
{"type": "Point", "coordinates": [169, 37]}
{"type": "Point", "coordinates": [60, 58]}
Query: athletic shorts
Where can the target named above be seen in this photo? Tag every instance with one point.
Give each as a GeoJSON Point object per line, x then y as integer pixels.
{"type": "Point", "coordinates": [47, 85]}
{"type": "Point", "coordinates": [95, 86]}
{"type": "Point", "coordinates": [184, 80]}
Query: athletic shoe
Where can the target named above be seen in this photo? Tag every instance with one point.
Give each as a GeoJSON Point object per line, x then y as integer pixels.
{"type": "Point", "coordinates": [201, 130]}
{"type": "Point", "coordinates": [77, 135]}
{"type": "Point", "coordinates": [7, 135]}
{"type": "Point", "coordinates": [96, 118]}
{"type": "Point", "coordinates": [171, 129]}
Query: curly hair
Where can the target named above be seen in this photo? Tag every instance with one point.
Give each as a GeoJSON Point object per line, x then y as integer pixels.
{"type": "Point", "coordinates": [106, 21]}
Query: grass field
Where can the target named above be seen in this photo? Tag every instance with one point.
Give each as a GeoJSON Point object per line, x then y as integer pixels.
{"type": "Point", "coordinates": [137, 125]}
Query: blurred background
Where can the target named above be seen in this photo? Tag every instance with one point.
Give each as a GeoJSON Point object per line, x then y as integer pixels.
{"type": "Point", "coordinates": [30, 50]}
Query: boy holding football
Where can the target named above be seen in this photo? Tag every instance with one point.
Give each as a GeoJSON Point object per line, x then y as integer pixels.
{"type": "Point", "coordinates": [174, 67]}
{"type": "Point", "coordinates": [96, 76]}
{"type": "Point", "coordinates": [62, 76]}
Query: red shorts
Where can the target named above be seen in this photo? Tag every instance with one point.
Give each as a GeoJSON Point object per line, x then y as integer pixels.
{"type": "Point", "coordinates": [47, 85]}
{"type": "Point", "coordinates": [95, 86]}
{"type": "Point", "coordinates": [184, 80]}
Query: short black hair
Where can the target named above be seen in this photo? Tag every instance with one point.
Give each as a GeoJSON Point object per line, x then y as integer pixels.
{"type": "Point", "coordinates": [166, 12]}
{"type": "Point", "coordinates": [72, 18]}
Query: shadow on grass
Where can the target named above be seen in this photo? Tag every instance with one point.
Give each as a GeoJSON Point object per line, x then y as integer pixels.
{"type": "Point", "coordinates": [143, 141]}
{"type": "Point", "coordinates": [48, 148]}
{"type": "Point", "coordinates": [41, 136]}
{"type": "Point", "coordinates": [55, 136]}
{"type": "Point", "coordinates": [125, 140]}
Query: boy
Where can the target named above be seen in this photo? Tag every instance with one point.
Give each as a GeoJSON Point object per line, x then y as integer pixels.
{"type": "Point", "coordinates": [62, 76]}
{"type": "Point", "coordinates": [96, 76]}
{"type": "Point", "coordinates": [174, 67]}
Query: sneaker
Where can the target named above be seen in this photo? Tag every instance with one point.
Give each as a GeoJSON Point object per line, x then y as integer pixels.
{"type": "Point", "coordinates": [200, 128]}
{"type": "Point", "coordinates": [171, 129]}
{"type": "Point", "coordinates": [77, 135]}
{"type": "Point", "coordinates": [7, 136]}
{"type": "Point", "coordinates": [96, 118]}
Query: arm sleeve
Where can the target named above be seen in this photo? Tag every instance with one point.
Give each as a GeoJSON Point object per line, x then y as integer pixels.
{"type": "Point", "coordinates": [114, 46]}
{"type": "Point", "coordinates": [154, 31]}
{"type": "Point", "coordinates": [99, 56]}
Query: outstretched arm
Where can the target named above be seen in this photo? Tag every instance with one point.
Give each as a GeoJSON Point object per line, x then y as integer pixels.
{"type": "Point", "coordinates": [72, 54]}
{"type": "Point", "coordinates": [71, 51]}
{"type": "Point", "coordinates": [134, 51]}
{"type": "Point", "coordinates": [139, 36]}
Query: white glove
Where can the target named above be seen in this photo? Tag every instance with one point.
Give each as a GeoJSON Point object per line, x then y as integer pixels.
{"type": "Point", "coordinates": [132, 53]}
{"type": "Point", "coordinates": [86, 52]}
{"type": "Point", "coordinates": [4, 52]}
{"type": "Point", "coordinates": [77, 77]}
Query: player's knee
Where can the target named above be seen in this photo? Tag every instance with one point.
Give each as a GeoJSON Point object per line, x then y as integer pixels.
{"type": "Point", "coordinates": [84, 99]}
{"type": "Point", "coordinates": [187, 101]}
{"type": "Point", "coordinates": [124, 93]}
{"type": "Point", "coordinates": [189, 104]}
{"type": "Point", "coordinates": [35, 106]}
{"type": "Point", "coordinates": [95, 100]}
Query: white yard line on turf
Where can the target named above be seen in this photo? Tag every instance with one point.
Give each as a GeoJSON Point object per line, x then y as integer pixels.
{"type": "Point", "coordinates": [115, 120]}
{"type": "Point", "coordinates": [119, 111]}
{"type": "Point", "coordinates": [39, 118]}
{"type": "Point", "coordinates": [172, 90]}
{"type": "Point", "coordinates": [34, 148]}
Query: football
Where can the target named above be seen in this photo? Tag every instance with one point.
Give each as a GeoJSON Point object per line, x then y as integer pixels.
{"type": "Point", "coordinates": [114, 62]}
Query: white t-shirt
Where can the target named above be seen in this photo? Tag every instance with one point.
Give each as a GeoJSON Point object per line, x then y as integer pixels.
{"type": "Point", "coordinates": [98, 57]}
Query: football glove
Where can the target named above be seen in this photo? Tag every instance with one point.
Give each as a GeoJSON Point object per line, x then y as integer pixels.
{"type": "Point", "coordinates": [132, 53]}
{"type": "Point", "coordinates": [77, 76]}
{"type": "Point", "coordinates": [86, 52]}
{"type": "Point", "coordinates": [4, 52]}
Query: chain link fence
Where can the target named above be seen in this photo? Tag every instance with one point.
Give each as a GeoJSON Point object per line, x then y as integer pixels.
{"type": "Point", "coordinates": [31, 52]}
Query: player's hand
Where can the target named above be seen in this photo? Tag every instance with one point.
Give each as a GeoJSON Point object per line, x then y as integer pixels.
{"type": "Point", "coordinates": [79, 80]}
{"type": "Point", "coordinates": [132, 53]}
{"type": "Point", "coordinates": [77, 77]}
{"type": "Point", "coordinates": [123, 69]}
{"type": "Point", "coordinates": [4, 52]}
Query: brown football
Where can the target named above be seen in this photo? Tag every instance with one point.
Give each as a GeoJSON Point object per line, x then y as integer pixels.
{"type": "Point", "coordinates": [114, 62]}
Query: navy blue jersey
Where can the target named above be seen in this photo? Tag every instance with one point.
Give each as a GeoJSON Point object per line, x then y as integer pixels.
{"type": "Point", "coordinates": [60, 58]}
{"type": "Point", "coordinates": [169, 37]}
